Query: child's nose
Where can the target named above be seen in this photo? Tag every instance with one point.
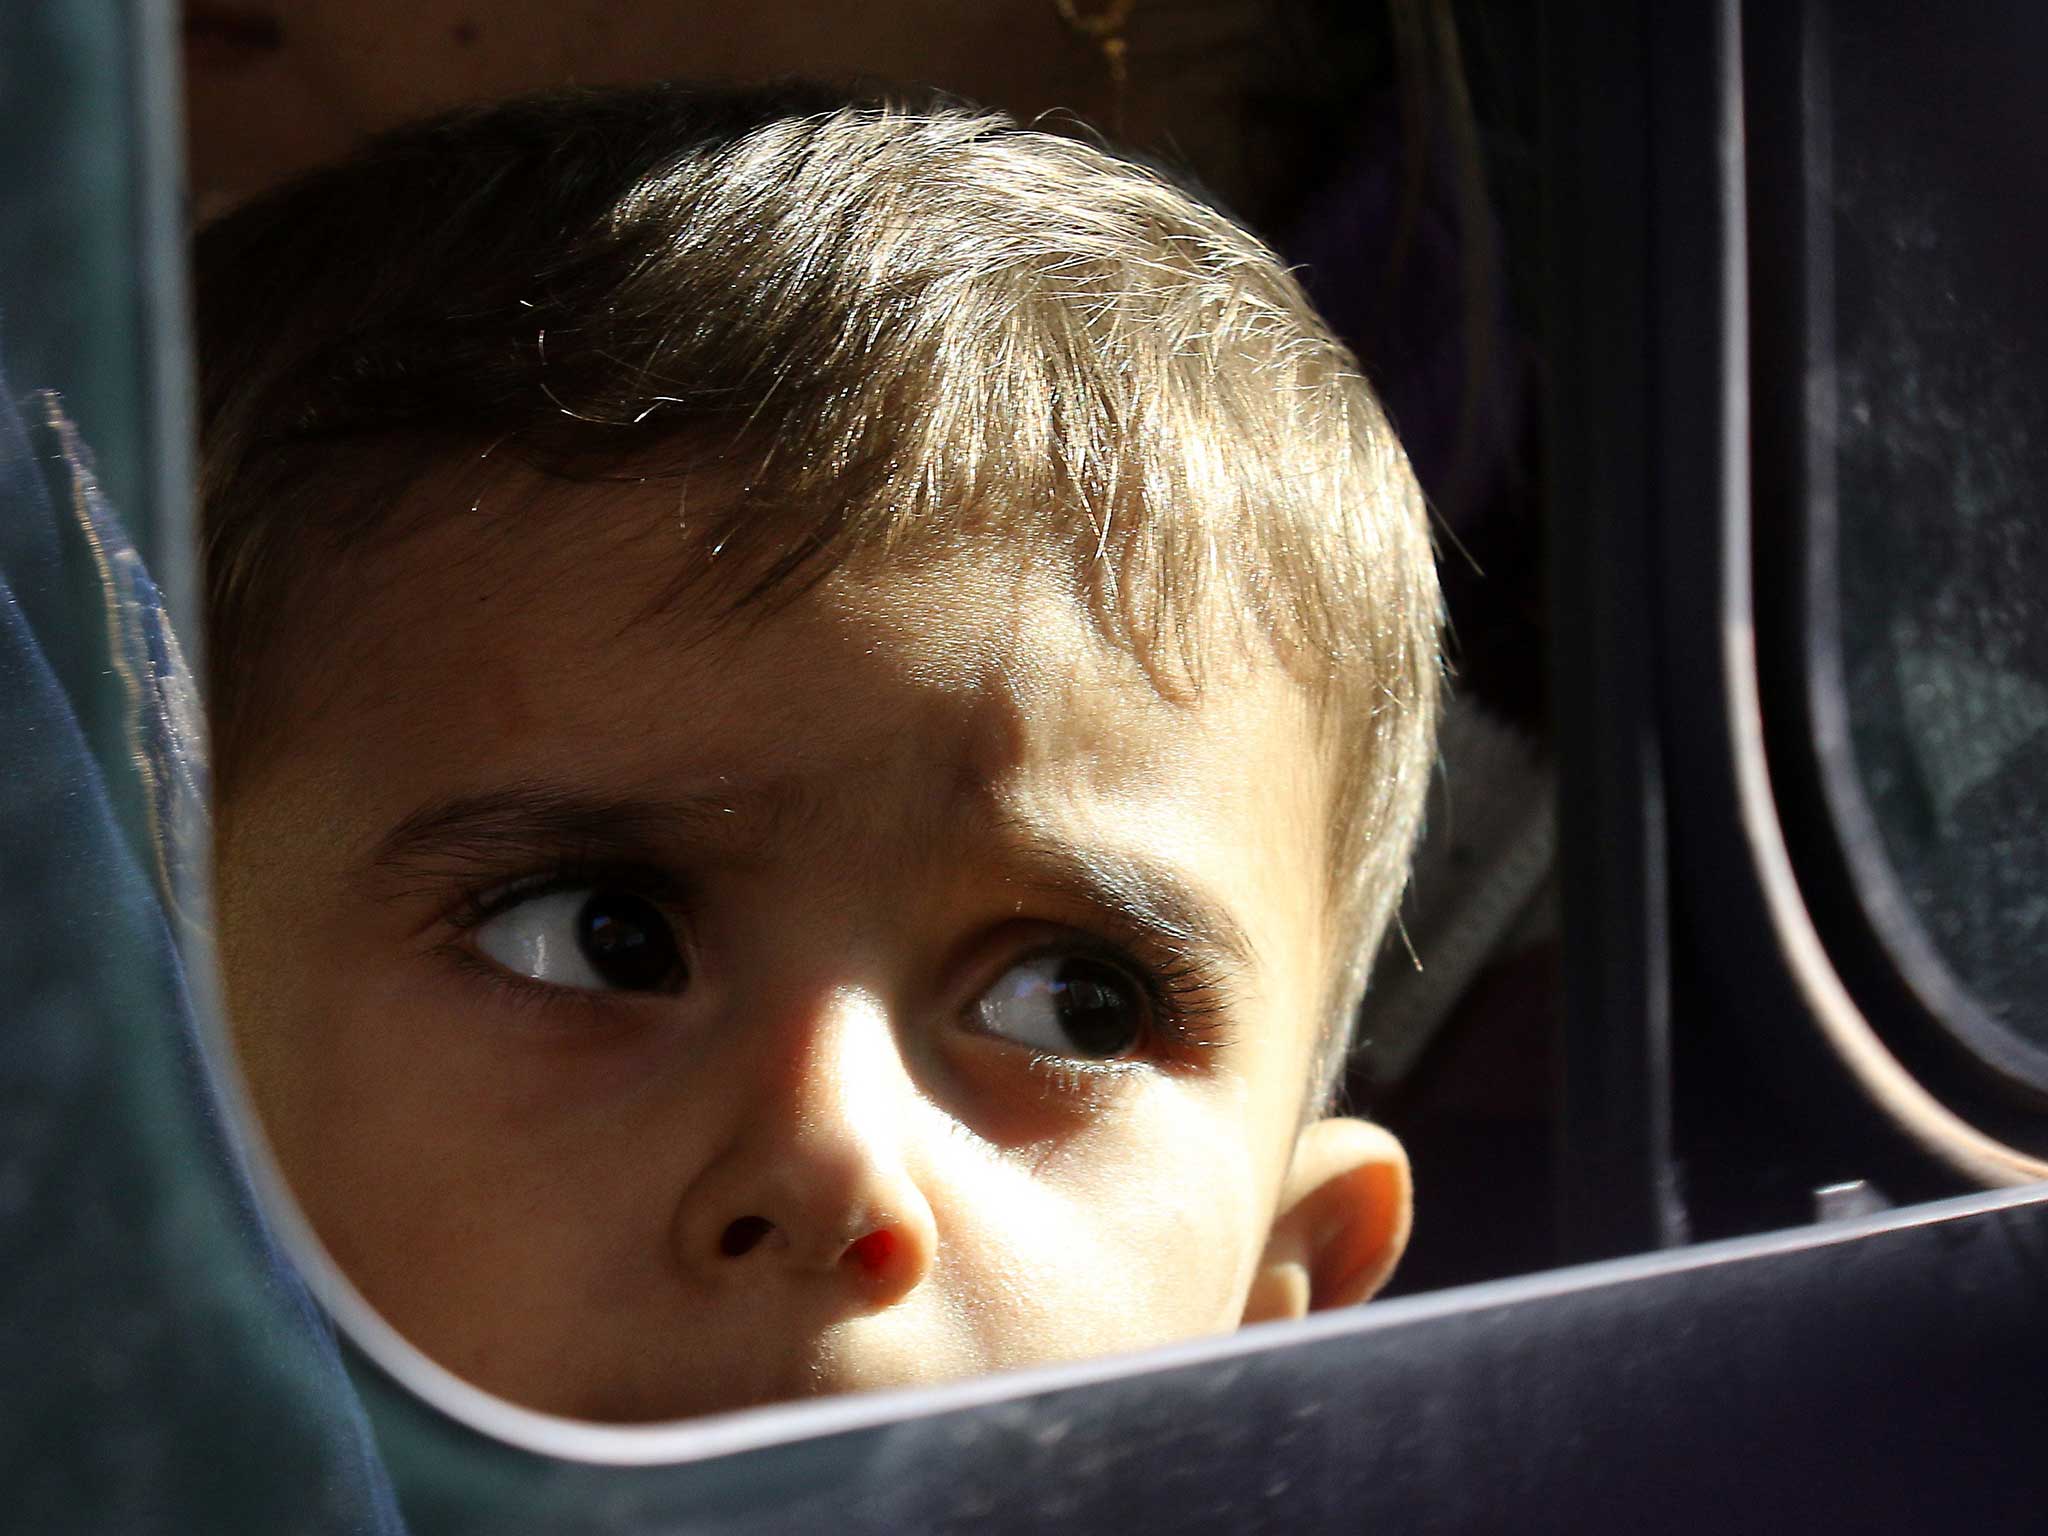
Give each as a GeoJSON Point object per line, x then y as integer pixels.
{"type": "Point", "coordinates": [816, 1183]}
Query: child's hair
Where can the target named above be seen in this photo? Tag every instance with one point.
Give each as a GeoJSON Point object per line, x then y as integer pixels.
{"type": "Point", "coordinates": [876, 326]}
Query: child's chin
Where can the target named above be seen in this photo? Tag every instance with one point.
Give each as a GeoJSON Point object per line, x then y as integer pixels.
{"type": "Point", "coordinates": [726, 1388]}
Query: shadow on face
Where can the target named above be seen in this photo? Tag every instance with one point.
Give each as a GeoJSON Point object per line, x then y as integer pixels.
{"type": "Point", "coordinates": [655, 1018]}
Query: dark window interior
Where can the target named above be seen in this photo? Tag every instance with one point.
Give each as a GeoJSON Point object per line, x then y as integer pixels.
{"type": "Point", "coordinates": [1940, 192]}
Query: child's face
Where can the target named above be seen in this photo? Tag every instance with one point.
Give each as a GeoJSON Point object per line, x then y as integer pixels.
{"type": "Point", "coordinates": [654, 1020]}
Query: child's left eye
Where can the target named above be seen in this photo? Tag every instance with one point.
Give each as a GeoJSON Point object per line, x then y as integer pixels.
{"type": "Point", "coordinates": [591, 938]}
{"type": "Point", "coordinates": [1067, 1003]}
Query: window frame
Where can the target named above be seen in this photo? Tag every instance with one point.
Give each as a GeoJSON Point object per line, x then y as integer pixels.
{"type": "Point", "coordinates": [1914, 1003]}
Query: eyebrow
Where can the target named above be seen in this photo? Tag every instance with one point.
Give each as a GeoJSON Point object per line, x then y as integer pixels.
{"type": "Point", "coordinates": [543, 818]}
{"type": "Point", "coordinates": [1139, 894]}
{"type": "Point", "coordinates": [540, 818]}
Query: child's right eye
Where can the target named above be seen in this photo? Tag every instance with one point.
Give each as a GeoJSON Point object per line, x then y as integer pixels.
{"type": "Point", "coordinates": [589, 938]}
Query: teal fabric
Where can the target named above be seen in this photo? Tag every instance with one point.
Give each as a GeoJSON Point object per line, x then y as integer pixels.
{"type": "Point", "coordinates": [163, 1365]}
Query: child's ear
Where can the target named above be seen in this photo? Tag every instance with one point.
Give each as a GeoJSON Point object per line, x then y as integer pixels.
{"type": "Point", "coordinates": [1342, 1222]}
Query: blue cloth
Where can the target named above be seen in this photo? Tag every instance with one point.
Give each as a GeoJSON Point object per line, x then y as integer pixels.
{"type": "Point", "coordinates": [164, 1366]}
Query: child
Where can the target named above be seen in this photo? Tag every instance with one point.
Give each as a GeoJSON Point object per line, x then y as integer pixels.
{"type": "Point", "coordinates": [819, 708]}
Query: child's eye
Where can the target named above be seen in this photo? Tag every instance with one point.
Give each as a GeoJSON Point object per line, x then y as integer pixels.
{"type": "Point", "coordinates": [1068, 1004]}
{"type": "Point", "coordinates": [593, 938]}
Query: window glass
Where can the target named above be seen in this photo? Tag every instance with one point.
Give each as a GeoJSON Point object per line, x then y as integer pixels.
{"type": "Point", "coordinates": [1940, 229]}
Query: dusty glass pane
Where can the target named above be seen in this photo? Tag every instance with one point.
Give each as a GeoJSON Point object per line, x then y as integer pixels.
{"type": "Point", "coordinates": [1940, 231]}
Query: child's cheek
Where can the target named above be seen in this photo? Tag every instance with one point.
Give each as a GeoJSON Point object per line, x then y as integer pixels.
{"type": "Point", "coordinates": [1141, 1229]}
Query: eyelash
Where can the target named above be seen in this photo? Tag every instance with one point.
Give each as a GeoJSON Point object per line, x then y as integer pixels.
{"type": "Point", "coordinates": [1186, 1000]}
{"type": "Point", "coordinates": [1184, 997]}
{"type": "Point", "coordinates": [480, 905]}
{"type": "Point", "coordinates": [1185, 1004]}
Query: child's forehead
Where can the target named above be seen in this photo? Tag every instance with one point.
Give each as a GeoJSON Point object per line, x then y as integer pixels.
{"type": "Point", "coordinates": [561, 609]}
{"type": "Point", "coordinates": [643, 560]}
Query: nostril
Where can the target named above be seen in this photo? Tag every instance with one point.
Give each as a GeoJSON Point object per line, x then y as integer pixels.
{"type": "Point", "coordinates": [744, 1235]}
{"type": "Point", "coordinates": [872, 1253]}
